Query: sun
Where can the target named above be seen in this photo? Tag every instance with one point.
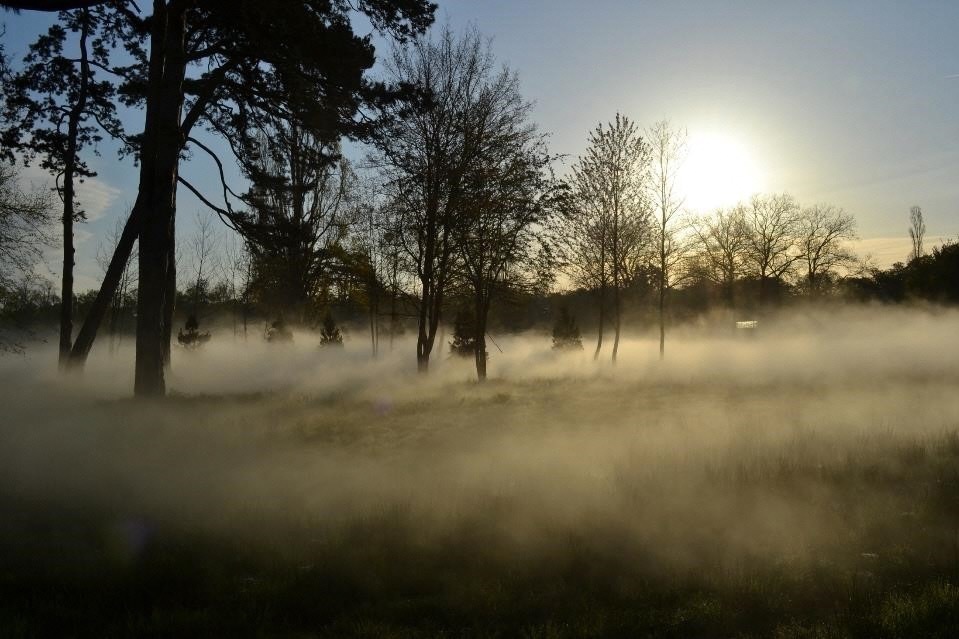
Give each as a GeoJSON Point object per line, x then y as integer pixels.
{"type": "Point", "coordinates": [718, 171]}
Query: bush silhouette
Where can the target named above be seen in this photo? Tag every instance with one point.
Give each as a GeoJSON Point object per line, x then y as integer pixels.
{"type": "Point", "coordinates": [192, 337]}
{"type": "Point", "coordinates": [330, 333]}
{"type": "Point", "coordinates": [566, 334]}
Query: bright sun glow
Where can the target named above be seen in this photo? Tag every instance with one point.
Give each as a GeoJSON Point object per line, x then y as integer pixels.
{"type": "Point", "coordinates": [718, 171]}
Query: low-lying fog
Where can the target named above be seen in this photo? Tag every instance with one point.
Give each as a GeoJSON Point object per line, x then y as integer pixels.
{"type": "Point", "coordinates": [788, 443]}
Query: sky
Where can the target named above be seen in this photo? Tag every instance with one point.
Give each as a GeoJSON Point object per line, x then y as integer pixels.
{"type": "Point", "coordinates": [851, 103]}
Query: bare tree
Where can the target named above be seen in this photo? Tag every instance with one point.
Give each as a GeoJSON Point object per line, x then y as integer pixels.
{"type": "Point", "coordinates": [771, 226]}
{"type": "Point", "coordinates": [125, 289]}
{"type": "Point", "coordinates": [580, 234]}
{"type": "Point", "coordinates": [203, 247]}
{"type": "Point", "coordinates": [917, 232]}
{"type": "Point", "coordinates": [668, 145]}
{"type": "Point", "coordinates": [607, 209]}
{"type": "Point", "coordinates": [722, 241]}
{"type": "Point", "coordinates": [25, 217]}
{"type": "Point", "coordinates": [426, 152]}
{"type": "Point", "coordinates": [372, 252]}
{"type": "Point", "coordinates": [823, 234]}
{"type": "Point", "coordinates": [236, 271]}
{"type": "Point", "coordinates": [506, 202]}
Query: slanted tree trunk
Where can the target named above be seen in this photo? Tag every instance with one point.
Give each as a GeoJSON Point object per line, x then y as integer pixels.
{"type": "Point", "coordinates": [69, 193]}
{"type": "Point", "coordinates": [111, 280]}
{"type": "Point", "coordinates": [141, 207]}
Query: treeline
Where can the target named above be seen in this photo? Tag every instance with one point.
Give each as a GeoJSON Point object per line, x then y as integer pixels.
{"type": "Point", "coordinates": [456, 216]}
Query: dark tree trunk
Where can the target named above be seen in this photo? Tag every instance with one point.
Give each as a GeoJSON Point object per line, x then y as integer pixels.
{"type": "Point", "coordinates": [141, 208]}
{"type": "Point", "coordinates": [617, 314]}
{"type": "Point", "coordinates": [662, 318]}
{"type": "Point", "coordinates": [156, 240]}
{"type": "Point", "coordinates": [480, 353]}
{"type": "Point", "coordinates": [602, 320]}
{"type": "Point", "coordinates": [111, 280]}
{"type": "Point", "coordinates": [423, 346]}
{"type": "Point", "coordinates": [374, 321]}
{"type": "Point", "coordinates": [169, 302]}
{"type": "Point", "coordinates": [479, 337]}
{"type": "Point", "coordinates": [617, 310]}
{"type": "Point", "coordinates": [69, 193]}
{"type": "Point", "coordinates": [66, 283]}
{"type": "Point", "coordinates": [431, 306]}
{"type": "Point", "coordinates": [663, 273]}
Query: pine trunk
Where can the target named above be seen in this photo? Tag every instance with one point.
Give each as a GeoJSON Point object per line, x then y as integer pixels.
{"type": "Point", "coordinates": [69, 195]}
{"type": "Point", "coordinates": [156, 233]}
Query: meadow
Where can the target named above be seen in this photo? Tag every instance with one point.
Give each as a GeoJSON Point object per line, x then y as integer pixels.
{"type": "Point", "coordinates": [803, 482]}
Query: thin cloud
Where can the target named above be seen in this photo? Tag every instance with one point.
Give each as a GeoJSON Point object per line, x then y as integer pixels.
{"type": "Point", "coordinates": [96, 197]}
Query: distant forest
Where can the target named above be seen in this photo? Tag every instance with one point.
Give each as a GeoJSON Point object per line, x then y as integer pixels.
{"type": "Point", "coordinates": [457, 219]}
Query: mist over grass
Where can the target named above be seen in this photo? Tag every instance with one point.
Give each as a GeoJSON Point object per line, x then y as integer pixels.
{"type": "Point", "coordinates": [799, 481]}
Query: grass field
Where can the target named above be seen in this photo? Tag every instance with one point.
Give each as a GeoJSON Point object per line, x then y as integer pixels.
{"type": "Point", "coordinates": [801, 484]}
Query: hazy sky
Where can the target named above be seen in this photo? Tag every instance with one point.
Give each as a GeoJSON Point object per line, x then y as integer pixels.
{"type": "Point", "coordinates": [854, 103]}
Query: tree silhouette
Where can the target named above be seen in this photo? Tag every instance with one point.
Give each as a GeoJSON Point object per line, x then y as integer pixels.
{"type": "Point", "coordinates": [917, 232]}
{"type": "Point", "coordinates": [566, 334]}
{"type": "Point", "coordinates": [303, 63]}
{"type": "Point", "coordinates": [330, 333]}
{"type": "Point", "coordinates": [606, 230]}
{"type": "Point", "coordinates": [668, 150]}
{"type": "Point", "coordinates": [24, 218]}
{"type": "Point", "coordinates": [823, 233]}
{"type": "Point", "coordinates": [56, 106]}
{"type": "Point", "coordinates": [429, 151]}
{"type": "Point", "coordinates": [301, 203]}
{"type": "Point", "coordinates": [722, 241]}
{"type": "Point", "coordinates": [506, 197]}
{"type": "Point", "coordinates": [463, 342]}
{"type": "Point", "coordinates": [771, 223]}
